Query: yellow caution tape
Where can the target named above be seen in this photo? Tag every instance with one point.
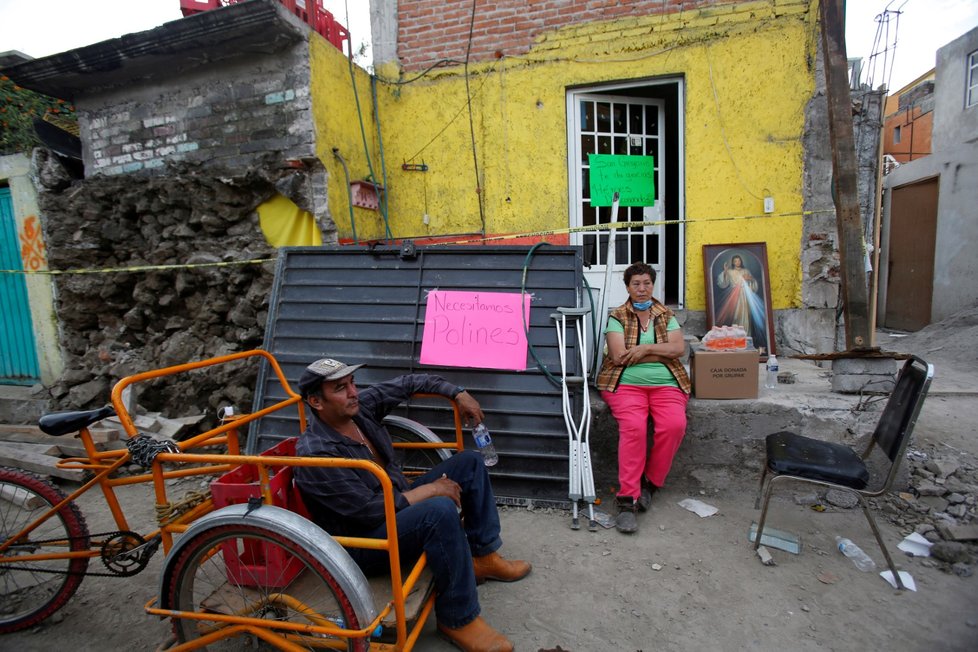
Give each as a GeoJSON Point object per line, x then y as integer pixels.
{"type": "Point", "coordinates": [493, 238]}
{"type": "Point", "coordinates": [138, 268]}
{"type": "Point", "coordinates": [626, 225]}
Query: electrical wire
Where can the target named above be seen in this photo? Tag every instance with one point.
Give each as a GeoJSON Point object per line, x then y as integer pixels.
{"type": "Point", "coordinates": [419, 76]}
{"type": "Point", "coordinates": [452, 121]}
{"type": "Point", "coordinates": [526, 327]}
{"type": "Point", "coordinates": [349, 192]}
{"type": "Point", "coordinates": [363, 132]}
{"type": "Point", "coordinates": [383, 164]}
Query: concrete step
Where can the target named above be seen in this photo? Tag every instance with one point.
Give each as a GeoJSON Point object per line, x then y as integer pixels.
{"type": "Point", "coordinates": [18, 405]}
{"type": "Point", "coordinates": [728, 435]}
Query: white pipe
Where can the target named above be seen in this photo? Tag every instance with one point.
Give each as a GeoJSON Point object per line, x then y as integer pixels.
{"type": "Point", "coordinates": [609, 266]}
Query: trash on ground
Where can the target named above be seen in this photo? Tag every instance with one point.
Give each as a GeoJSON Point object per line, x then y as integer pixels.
{"type": "Point", "coordinates": [765, 556]}
{"type": "Point", "coordinates": [916, 545]}
{"type": "Point", "coordinates": [773, 538]}
{"type": "Point", "coordinates": [698, 507]}
{"type": "Point", "coordinates": [827, 577]}
{"type": "Point", "coordinates": [905, 577]}
{"type": "Point", "coordinates": [808, 498]}
{"type": "Point", "coordinates": [604, 519]}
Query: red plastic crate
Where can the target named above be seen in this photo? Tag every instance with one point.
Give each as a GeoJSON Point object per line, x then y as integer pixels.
{"type": "Point", "coordinates": [257, 563]}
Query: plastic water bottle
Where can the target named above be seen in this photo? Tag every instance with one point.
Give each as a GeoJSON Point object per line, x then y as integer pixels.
{"type": "Point", "coordinates": [862, 561]}
{"type": "Point", "coordinates": [484, 443]}
{"type": "Point", "coordinates": [771, 380]}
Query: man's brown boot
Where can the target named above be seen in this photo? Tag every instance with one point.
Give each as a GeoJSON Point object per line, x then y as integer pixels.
{"type": "Point", "coordinates": [494, 567]}
{"type": "Point", "coordinates": [477, 636]}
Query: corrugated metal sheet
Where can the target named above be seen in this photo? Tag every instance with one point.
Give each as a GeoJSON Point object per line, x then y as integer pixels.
{"type": "Point", "coordinates": [367, 305]}
{"type": "Point", "coordinates": [18, 354]}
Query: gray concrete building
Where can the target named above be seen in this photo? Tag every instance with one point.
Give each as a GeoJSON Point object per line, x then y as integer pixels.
{"type": "Point", "coordinates": [929, 226]}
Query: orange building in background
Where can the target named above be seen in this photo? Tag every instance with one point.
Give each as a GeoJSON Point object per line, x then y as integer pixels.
{"type": "Point", "coordinates": [909, 120]}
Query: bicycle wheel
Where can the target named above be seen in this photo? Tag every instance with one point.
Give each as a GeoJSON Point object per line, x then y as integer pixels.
{"type": "Point", "coordinates": [31, 591]}
{"type": "Point", "coordinates": [414, 461]}
{"type": "Point", "coordinates": [256, 572]}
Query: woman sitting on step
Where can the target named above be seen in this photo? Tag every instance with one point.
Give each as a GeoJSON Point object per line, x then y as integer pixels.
{"type": "Point", "coordinates": [642, 376]}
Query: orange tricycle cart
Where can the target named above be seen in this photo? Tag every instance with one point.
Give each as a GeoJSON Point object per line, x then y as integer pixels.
{"type": "Point", "coordinates": [243, 561]}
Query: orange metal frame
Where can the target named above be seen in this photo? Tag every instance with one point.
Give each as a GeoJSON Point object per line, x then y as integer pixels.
{"type": "Point", "coordinates": [104, 464]}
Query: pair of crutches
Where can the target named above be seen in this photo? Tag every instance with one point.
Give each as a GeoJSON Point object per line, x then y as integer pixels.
{"type": "Point", "coordinates": [581, 480]}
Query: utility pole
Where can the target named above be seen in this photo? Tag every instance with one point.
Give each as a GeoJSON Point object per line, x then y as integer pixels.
{"type": "Point", "coordinates": [844, 173]}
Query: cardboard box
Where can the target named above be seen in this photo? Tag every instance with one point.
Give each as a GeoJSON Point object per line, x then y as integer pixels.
{"type": "Point", "coordinates": [724, 374]}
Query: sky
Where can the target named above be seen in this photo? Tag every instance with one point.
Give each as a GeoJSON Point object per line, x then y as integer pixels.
{"type": "Point", "coordinates": [39, 28]}
{"type": "Point", "coordinates": [44, 27]}
{"type": "Point", "coordinates": [920, 28]}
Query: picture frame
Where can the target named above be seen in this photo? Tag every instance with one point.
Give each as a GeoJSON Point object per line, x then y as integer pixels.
{"type": "Point", "coordinates": [733, 297]}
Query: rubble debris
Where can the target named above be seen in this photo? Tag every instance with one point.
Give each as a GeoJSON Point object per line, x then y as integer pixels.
{"type": "Point", "coordinates": [843, 499]}
{"type": "Point", "coordinates": [941, 504]}
{"type": "Point", "coordinates": [952, 552]}
{"type": "Point", "coordinates": [201, 297]}
{"type": "Point", "coordinates": [160, 427]}
{"type": "Point", "coordinates": [807, 498]}
{"type": "Point", "coordinates": [42, 463]}
{"type": "Point", "coordinates": [963, 532]}
{"type": "Point", "coordinates": [26, 447]}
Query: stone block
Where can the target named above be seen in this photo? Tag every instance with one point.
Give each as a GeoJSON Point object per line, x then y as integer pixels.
{"type": "Point", "coordinates": [941, 467]}
{"type": "Point", "coordinates": [865, 366]}
{"type": "Point", "coordinates": [963, 532]}
{"type": "Point", "coordinates": [936, 503]}
{"type": "Point", "coordinates": [861, 384]}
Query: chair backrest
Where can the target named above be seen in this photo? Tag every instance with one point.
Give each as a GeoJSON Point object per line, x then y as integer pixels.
{"type": "Point", "coordinates": [896, 424]}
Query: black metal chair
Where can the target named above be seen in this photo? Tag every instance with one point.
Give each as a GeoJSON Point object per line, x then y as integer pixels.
{"type": "Point", "coordinates": [803, 459]}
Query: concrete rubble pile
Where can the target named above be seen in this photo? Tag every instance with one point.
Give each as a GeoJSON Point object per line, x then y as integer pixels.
{"type": "Point", "coordinates": [117, 323]}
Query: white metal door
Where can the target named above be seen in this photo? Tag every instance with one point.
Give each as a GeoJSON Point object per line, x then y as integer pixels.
{"type": "Point", "coordinates": [612, 124]}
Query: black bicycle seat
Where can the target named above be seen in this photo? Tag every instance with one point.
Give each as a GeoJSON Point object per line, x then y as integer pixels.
{"type": "Point", "coordinates": [62, 423]}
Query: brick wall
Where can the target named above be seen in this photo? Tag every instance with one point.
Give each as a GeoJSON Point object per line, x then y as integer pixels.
{"type": "Point", "coordinates": [227, 115]}
{"type": "Point", "coordinates": [433, 30]}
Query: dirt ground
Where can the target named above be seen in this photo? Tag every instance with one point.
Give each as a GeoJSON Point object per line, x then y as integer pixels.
{"type": "Point", "coordinates": [681, 583]}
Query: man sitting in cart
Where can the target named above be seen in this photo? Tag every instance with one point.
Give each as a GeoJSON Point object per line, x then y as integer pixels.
{"type": "Point", "coordinates": [350, 502]}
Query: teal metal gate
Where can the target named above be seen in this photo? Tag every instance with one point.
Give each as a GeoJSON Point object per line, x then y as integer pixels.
{"type": "Point", "coordinates": [18, 354]}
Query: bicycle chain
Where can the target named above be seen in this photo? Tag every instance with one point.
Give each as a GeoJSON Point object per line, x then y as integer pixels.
{"type": "Point", "coordinates": [109, 536]}
{"type": "Point", "coordinates": [143, 449]}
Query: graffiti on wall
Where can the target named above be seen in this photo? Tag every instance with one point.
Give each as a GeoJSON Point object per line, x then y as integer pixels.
{"type": "Point", "coordinates": [32, 245]}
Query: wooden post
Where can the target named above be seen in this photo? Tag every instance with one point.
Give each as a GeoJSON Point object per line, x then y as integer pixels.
{"type": "Point", "coordinates": [844, 172]}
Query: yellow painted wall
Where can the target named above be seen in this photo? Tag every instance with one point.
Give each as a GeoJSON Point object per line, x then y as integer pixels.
{"type": "Point", "coordinates": [337, 122]}
{"type": "Point", "coordinates": [748, 75]}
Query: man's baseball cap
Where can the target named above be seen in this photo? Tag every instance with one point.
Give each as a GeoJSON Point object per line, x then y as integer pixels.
{"type": "Point", "coordinates": [322, 370]}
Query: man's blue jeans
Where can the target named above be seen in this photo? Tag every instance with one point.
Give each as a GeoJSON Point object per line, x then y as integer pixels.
{"type": "Point", "coordinates": [433, 526]}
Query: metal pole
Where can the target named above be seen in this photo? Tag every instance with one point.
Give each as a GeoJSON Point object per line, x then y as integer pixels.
{"type": "Point", "coordinates": [609, 265]}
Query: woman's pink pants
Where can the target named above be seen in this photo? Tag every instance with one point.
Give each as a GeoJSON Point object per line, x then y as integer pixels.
{"type": "Point", "coordinates": [631, 406]}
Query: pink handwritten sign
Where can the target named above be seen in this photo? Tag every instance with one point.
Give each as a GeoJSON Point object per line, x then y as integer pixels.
{"type": "Point", "coordinates": [475, 329]}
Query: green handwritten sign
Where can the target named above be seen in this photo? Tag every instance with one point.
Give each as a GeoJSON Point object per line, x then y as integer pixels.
{"type": "Point", "coordinates": [632, 177]}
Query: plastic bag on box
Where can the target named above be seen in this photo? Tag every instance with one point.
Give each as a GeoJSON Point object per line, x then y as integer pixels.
{"type": "Point", "coordinates": [726, 338]}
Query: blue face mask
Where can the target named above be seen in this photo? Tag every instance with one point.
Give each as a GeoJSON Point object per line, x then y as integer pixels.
{"type": "Point", "coordinates": [645, 305]}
